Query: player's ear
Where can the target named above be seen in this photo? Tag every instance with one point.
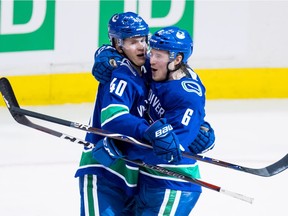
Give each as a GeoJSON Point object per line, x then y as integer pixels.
{"type": "Point", "coordinates": [178, 59]}
{"type": "Point", "coordinates": [116, 45]}
{"type": "Point", "coordinates": [118, 48]}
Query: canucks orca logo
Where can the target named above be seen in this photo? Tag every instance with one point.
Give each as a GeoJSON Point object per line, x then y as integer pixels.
{"type": "Point", "coordinates": [180, 35]}
{"type": "Point", "coordinates": [191, 86]}
{"type": "Point", "coordinates": [115, 18]}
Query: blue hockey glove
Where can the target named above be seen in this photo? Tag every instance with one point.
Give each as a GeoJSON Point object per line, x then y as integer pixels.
{"type": "Point", "coordinates": [106, 59]}
{"type": "Point", "coordinates": [204, 140]}
{"type": "Point", "coordinates": [164, 141]}
{"type": "Point", "coordinates": [106, 152]}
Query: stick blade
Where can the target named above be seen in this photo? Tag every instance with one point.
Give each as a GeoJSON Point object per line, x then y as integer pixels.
{"type": "Point", "coordinates": [271, 170]}
{"type": "Point", "coordinates": [8, 93]}
{"type": "Point", "coordinates": [279, 166]}
{"type": "Point", "coordinates": [11, 101]}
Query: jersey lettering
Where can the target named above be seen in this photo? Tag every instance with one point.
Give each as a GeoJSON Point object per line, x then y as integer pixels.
{"type": "Point", "coordinates": [141, 110]}
{"type": "Point", "coordinates": [155, 103]}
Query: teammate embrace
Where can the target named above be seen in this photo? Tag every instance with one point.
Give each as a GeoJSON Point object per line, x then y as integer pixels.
{"type": "Point", "coordinates": [157, 98]}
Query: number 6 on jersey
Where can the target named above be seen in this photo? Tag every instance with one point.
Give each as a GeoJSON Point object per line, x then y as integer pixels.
{"type": "Point", "coordinates": [187, 117]}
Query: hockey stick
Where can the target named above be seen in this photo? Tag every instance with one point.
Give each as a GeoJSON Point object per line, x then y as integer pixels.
{"type": "Point", "coordinates": [14, 108]}
{"type": "Point", "coordinates": [22, 119]}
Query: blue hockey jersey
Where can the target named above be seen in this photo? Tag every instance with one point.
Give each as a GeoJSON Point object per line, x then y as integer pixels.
{"type": "Point", "coordinates": [182, 103]}
{"type": "Point", "coordinates": [120, 107]}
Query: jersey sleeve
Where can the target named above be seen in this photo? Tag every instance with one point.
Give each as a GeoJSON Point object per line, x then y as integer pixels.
{"type": "Point", "coordinates": [186, 111]}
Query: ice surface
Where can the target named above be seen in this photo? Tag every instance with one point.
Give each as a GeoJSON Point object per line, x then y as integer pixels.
{"type": "Point", "coordinates": [37, 169]}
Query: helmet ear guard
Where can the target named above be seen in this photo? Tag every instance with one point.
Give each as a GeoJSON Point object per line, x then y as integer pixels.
{"type": "Point", "coordinates": [174, 40]}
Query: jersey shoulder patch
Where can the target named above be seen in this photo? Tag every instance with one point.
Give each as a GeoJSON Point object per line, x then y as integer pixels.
{"type": "Point", "coordinates": [192, 86]}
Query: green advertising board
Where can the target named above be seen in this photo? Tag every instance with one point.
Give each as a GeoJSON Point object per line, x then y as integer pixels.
{"type": "Point", "coordinates": [157, 14]}
{"type": "Point", "coordinates": [27, 25]}
{"type": "Point", "coordinates": [30, 24]}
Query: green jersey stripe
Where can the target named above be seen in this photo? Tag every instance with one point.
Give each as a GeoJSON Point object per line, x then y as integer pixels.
{"type": "Point", "coordinates": [112, 111]}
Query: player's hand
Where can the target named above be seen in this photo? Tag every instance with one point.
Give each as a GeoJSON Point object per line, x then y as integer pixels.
{"type": "Point", "coordinates": [164, 141]}
{"type": "Point", "coordinates": [106, 59]}
{"type": "Point", "coordinates": [106, 152]}
{"type": "Point", "coordinates": [204, 141]}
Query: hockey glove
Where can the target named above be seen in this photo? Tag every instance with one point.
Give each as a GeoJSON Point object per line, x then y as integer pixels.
{"type": "Point", "coordinates": [164, 141]}
{"type": "Point", "coordinates": [106, 152]}
{"type": "Point", "coordinates": [106, 59]}
{"type": "Point", "coordinates": [204, 140]}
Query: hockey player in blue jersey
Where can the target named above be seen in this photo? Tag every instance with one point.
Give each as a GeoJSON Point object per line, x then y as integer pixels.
{"type": "Point", "coordinates": [177, 92]}
{"type": "Point", "coordinates": [119, 107]}
{"type": "Point", "coordinates": [185, 111]}
{"type": "Point", "coordinates": [178, 95]}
